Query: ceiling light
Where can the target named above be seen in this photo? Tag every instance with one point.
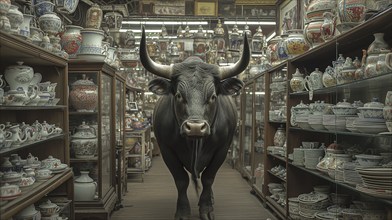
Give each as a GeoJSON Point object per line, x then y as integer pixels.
{"type": "Point", "coordinates": [250, 22]}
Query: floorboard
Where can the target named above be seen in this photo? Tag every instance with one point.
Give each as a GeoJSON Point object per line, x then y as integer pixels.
{"type": "Point", "coordinates": [155, 198]}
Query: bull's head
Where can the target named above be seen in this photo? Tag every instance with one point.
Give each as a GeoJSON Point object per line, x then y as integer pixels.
{"type": "Point", "coordinates": [195, 86]}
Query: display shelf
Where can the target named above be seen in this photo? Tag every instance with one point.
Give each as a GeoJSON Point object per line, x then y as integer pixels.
{"type": "Point", "coordinates": [258, 191]}
{"type": "Point", "coordinates": [341, 184]}
{"type": "Point", "coordinates": [135, 170]}
{"type": "Point", "coordinates": [34, 193]}
{"type": "Point", "coordinates": [82, 113]}
{"type": "Point", "coordinates": [273, 174]}
{"type": "Point", "coordinates": [14, 47]}
{"type": "Point", "coordinates": [381, 80]}
{"type": "Point", "coordinates": [133, 155]}
{"type": "Point", "coordinates": [29, 108]}
{"type": "Point", "coordinates": [53, 68]}
{"type": "Point", "coordinates": [350, 40]}
{"type": "Point", "coordinates": [84, 160]}
{"type": "Point", "coordinates": [278, 209]}
{"type": "Point", "coordinates": [341, 132]}
{"type": "Point", "coordinates": [22, 146]}
{"type": "Point", "coordinates": [283, 159]}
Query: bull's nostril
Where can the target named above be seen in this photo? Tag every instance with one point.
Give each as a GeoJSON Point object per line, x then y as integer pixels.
{"type": "Point", "coordinates": [187, 126]}
{"type": "Point", "coordinates": [203, 127]}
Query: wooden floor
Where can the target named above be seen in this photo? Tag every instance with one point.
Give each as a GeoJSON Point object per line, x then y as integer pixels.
{"type": "Point", "coordinates": [155, 198]}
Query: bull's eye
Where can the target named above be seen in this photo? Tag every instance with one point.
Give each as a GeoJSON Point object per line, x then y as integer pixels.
{"type": "Point", "coordinates": [212, 98]}
{"type": "Point", "coordinates": [178, 96]}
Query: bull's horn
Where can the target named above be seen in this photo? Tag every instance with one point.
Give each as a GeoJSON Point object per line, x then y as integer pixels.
{"type": "Point", "coordinates": [237, 68]}
{"type": "Point", "coordinates": [151, 66]}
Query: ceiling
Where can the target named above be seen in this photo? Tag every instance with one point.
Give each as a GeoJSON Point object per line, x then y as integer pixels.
{"type": "Point", "coordinates": [131, 11]}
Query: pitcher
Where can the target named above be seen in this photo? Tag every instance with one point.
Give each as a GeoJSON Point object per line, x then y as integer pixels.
{"type": "Point", "coordinates": [16, 137]}
{"type": "Point", "coordinates": [383, 64]}
{"type": "Point", "coordinates": [314, 80]}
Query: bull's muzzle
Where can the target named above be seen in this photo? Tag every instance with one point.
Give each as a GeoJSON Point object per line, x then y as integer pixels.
{"type": "Point", "coordinates": [195, 128]}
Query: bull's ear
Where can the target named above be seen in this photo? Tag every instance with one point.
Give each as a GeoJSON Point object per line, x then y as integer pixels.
{"type": "Point", "coordinates": [230, 86]}
{"type": "Point", "coordinates": [159, 86]}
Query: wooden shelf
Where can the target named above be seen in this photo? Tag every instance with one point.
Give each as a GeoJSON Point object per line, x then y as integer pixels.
{"type": "Point", "coordinates": [82, 113]}
{"type": "Point", "coordinates": [79, 160]}
{"type": "Point", "coordinates": [29, 108]}
{"type": "Point", "coordinates": [135, 170]}
{"type": "Point", "coordinates": [273, 174]}
{"type": "Point", "coordinates": [16, 148]}
{"type": "Point", "coordinates": [278, 209]}
{"type": "Point", "coordinates": [283, 159]}
{"type": "Point", "coordinates": [340, 132]}
{"type": "Point", "coordinates": [34, 193]}
{"type": "Point", "coordinates": [133, 155]}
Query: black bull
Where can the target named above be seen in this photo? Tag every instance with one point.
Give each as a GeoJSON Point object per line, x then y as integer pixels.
{"type": "Point", "coordinates": [194, 121]}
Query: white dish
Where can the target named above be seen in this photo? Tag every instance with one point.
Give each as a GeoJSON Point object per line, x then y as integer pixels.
{"type": "Point", "coordinates": [91, 57]}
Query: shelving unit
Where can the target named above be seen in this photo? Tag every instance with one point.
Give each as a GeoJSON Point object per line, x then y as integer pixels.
{"type": "Point", "coordinates": [141, 149]}
{"type": "Point", "coordinates": [54, 69]}
{"type": "Point", "coordinates": [349, 44]}
{"type": "Point", "coordinates": [102, 167]}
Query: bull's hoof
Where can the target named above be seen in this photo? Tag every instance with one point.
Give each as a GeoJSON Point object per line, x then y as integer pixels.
{"type": "Point", "coordinates": [182, 218]}
{"type": "Point", "coordinates": [207, 216]}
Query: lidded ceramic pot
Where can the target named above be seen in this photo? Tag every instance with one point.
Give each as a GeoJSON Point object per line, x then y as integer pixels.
{"type": "Point", "coordinates": [280, 137]}
{"type": "Point", "coordinates": [84, 95]}
{"type": "Point", "coordinates": [84, 141]}
{"type": "Point", "coordinates": [297, 82]}
{"type": "Point", "coordinates": [94, 17]}
{"type": "Point", "coordinates": [84, 187]}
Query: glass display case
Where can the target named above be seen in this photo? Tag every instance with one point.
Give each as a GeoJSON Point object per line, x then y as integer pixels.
{"type": "Point", "coordinates": [259, 149]}
{"type": "Point", "coordinates": [119, 109]}
{"type": "Point", "coordinates": [92, 124]}
{"type": "Point", "coordinates": [247, 134]}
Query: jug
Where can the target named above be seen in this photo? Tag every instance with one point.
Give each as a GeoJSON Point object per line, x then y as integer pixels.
{"type": "Point", "coordinates": [314, 80]}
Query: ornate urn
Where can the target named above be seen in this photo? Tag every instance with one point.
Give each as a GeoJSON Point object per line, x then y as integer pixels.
{"type": "Point", "coordinates": [50, 23]}
{"type": "Point", "coordinates": [71, 39]}
{"type": "Point", "coordinates": [94, 17]}
{"type": "Point", "coordinates": [84, 95]}
{"type": "Point", "coordinates": [84, 141]}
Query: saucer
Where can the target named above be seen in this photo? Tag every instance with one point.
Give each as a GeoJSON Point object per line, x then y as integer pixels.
{"type": "Point", "coordinates": [11, 197]}
{"type": "Point", "coordinates": [59, 169]}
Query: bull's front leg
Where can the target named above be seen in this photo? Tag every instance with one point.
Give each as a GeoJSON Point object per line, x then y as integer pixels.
{"type": "Point", "coordinates": [206, 201]}
{"type": "Point", "coordinates": [183, 211]}
{"type": "Point", "coordinates": [181, 180]}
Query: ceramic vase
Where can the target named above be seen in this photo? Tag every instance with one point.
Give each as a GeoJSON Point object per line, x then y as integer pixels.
{"type": "Point", "coordinates": [295, 43]}
{"type": "Point", "coordinates": [378, 44]}
{"type": "Point", "coordinates": [272, 50]}
{"type": "Point", "coordinates": [4, 21]}
{"type": "Point", "coordinates": [21, 76]}
{"type": "Point", "coordinates": [84, 187]}
{"type": "Point", "coordinates": [71, 39]}
{"type": "Point", "coordinates": [15, 18]}
{"type": "Point", "coordinates": [50, 23]}
{"type": "Point", "coordinates": [43, 7]}
{"type": "Point", "coordinates": [113, 20]}
{"type": "Point", "coordinates": [312, 32]}
{"type": "Point", "coordinates": [280, 137]}
{"type": "Point", "coordinates": [84, 95]}
{"type": "Point", "coordinates": [84, 142]}
{"type": "Point", "coordinates": [297, 82]}
{"type": "Point", "coordinates": [91, 41]}
{"type": "Point", "coordinates": [94, 17]}
{"type": "Point", "coordinates": [352, 11]}
{"type": "Point", "coordinates": [282, 49]}
{"type": "Point", "coordinates": [316, 8]}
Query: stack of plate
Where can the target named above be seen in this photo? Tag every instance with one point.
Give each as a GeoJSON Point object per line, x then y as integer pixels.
{"type": "Point", "coordinates": [334, 123]}
{"type": "Point", "coordinates": [316, 122]}
{"type": "Point", "coordinates": [302, 121]}
{"type": "Point", "coordinates": [350, 174]}
{"type": "Point", "coordinates": [312, 203]}
{"type": "Point", "coordinates": [370, 125]}
{"type": "Point", "coordinates": [377, 181]}
{"type": "Point", "coordinates": [298, 156]}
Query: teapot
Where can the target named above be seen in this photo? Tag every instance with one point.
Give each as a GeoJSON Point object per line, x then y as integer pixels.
{"type": "Point", "coordinates": [329, 78]}
{"type": "Point", "coordinates": [21, 76]}
{"type": "Point", "coordinates": [314, 80]}
{"type": "Point", "coordinates": [4, 135]}
{"type": "Point", "coordinates": [16, 135]}
{"type": "Point", "coordinates": [21, 97]}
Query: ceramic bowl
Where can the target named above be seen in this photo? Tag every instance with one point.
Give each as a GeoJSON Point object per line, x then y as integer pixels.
{"type": "Point", "coordinates": [50, 162]}
{"type": "Point", "coordinates": [368, 160]}
{"type": "Point", "coordinates": [371, 112]}
{"type": "Point", "coordinates": [43, 173]}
